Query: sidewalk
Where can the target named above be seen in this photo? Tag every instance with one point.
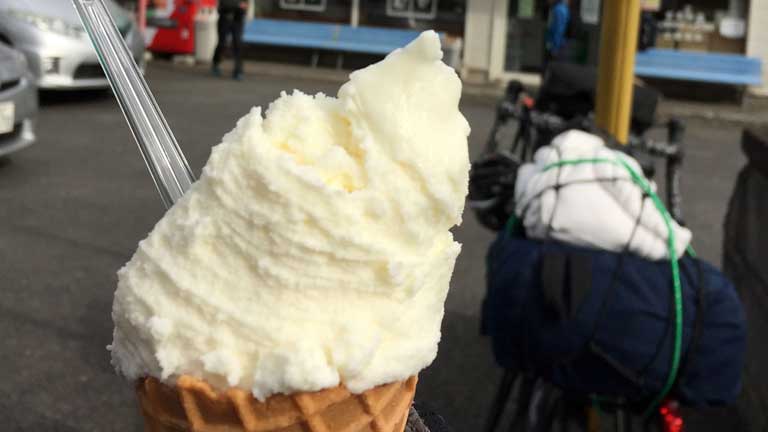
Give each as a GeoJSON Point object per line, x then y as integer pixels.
{"type": "Point", "coordinates": [753, 111]}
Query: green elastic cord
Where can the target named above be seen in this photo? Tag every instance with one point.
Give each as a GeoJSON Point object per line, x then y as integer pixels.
{"type": "Point", "coordinates": [596, 404]}
{"type": "Point", "coordinates": [676, 286]}
{"type": "Point", "coordinates": [511, 225]}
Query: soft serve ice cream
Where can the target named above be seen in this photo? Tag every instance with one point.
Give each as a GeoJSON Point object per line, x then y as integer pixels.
{"type": "Point", "coordinates": [315, 248]}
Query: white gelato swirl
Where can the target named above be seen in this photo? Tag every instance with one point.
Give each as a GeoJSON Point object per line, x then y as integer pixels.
{"type": "Point", "coordinates": [315, 248]}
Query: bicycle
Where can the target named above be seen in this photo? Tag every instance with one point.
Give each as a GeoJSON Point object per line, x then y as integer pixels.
{"type": "Point", "coordinates": [491, 191]}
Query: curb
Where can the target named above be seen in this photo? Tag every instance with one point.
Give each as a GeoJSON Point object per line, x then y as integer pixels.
{"type": "Point", "coordinates": [490, 93]}
{"type": "Point", "coordinates": [484, 92]}
{"type": "Point", "coordinates": [734, 115]}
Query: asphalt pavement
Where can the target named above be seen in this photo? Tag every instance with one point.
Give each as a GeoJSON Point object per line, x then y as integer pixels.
{"type": "Point", "coordinates": [74, 206]}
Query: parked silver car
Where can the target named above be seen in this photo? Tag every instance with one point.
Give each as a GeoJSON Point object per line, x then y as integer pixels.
{"type": "Point", "coordinates": [58, 50]}
{"type": "Point", "coordinates": [18, 102]}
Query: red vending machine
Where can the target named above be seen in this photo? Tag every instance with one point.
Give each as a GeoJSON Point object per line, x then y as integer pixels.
{"type": "Point", "coordinates": [170, 25]}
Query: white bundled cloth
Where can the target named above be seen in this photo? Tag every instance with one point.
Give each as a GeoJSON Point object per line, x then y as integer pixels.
{"type": "Point", "coordinates": [596, 204]}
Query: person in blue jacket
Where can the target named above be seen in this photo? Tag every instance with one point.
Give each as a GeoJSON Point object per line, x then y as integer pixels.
{"type": "Point", "coordinates": [559, 18]}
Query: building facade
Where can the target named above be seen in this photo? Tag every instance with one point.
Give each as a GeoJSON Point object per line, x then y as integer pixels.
{"type": "Point", "coordinates": [500, 40]}
{"type": "Point", "coordinates": [504, 39]}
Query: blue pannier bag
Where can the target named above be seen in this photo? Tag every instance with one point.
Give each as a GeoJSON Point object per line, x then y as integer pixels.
{"type": "Point", "coordinates": [601, 323]}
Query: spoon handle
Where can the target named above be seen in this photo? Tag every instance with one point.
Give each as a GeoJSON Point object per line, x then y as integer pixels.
{"type": "Point", "coordinates": [165, 161]}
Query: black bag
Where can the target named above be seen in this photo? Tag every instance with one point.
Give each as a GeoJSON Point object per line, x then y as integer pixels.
{"type": "Point", "coordinates": [599, 322]}
{"type": "Point", "coordinates": [745, 249]}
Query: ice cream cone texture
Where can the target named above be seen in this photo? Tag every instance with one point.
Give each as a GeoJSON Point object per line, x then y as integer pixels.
{"type": "Point", "coordinates": [311, 260]}
{"type": "Point", "coordinates": [192, 405]}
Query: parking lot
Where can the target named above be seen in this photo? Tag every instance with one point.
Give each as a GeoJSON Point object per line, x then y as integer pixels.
{"type": "Point", "coordinates": [74, 206]}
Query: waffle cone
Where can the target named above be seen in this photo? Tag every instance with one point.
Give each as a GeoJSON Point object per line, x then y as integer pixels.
{"type": "Point", "coordinates": [194, 406]}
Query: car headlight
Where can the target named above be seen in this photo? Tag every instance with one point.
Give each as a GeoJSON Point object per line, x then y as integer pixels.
{"type": "Point", "coordinates": [49, 24]}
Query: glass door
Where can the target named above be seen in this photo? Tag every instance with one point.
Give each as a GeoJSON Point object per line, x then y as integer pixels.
{"type": "Point", "coordinates": [440, 15]}
{"type": "Point", "coordinates": [334, 11]}
{"type": "Point", "coordinates": [525, 36]}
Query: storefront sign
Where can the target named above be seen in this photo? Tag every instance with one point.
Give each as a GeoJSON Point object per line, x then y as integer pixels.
{"type": "Point", "coordinates": [419, 9]}
{"type": "Point", "coordinates": [590, 11]}
{"type": "Point", "coordinates": [303, 5]}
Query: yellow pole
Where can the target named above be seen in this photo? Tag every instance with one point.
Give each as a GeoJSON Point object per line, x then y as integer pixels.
{"type": "Point", "coordinates": [616, 72]}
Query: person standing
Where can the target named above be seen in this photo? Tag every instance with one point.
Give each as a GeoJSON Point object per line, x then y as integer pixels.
{"type": "Point", "coordinates": [559, 18]}
{"type": "Point", "coordinates": [231, 23]}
